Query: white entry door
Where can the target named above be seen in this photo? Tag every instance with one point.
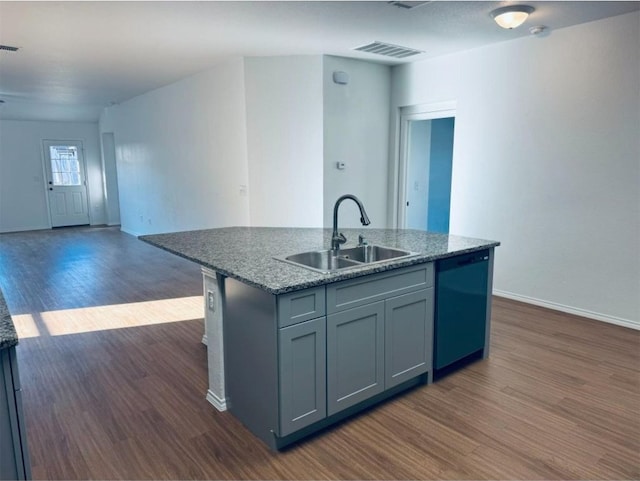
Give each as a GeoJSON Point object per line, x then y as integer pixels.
{"type": "Point", "coordinates": [66, 183]}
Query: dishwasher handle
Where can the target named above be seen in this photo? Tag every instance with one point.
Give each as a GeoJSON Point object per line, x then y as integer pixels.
{"type": "Point", "coordinates": [463, 260]}
{"type": "Point", "coordinates": [473, 260]}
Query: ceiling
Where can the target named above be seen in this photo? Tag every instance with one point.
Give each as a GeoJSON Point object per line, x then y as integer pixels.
{"type": "Point", "coordinates": [75, 58]}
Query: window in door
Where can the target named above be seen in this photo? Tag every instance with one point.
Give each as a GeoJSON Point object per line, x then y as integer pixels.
{"type": "Point", "coordinates": [65, 165]}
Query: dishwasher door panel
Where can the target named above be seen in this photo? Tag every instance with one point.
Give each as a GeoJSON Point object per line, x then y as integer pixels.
{"type": "Point", "coordinates": [461, 308]}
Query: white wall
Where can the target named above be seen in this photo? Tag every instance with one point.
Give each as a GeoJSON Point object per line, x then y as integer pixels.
{"type": "Point", "coordinates": [23, 204]}
{"type": "Point", "coordinates": [356, 131]}
{"type": "Point", "coordinates": [284, 140]}
{"type": "Point", "coordinates": [181, 153]}
{"type": "Point", "coordinates": [547, 161]}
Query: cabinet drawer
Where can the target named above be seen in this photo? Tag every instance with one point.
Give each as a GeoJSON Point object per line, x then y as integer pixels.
{"type": "Point", "coordinates": [364, 290]}
{"type": "Point", "coordinates": [301, 306]}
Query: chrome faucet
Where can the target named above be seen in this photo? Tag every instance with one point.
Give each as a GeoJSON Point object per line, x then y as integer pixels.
{"type": "Point", "coordinates": [338, 238]}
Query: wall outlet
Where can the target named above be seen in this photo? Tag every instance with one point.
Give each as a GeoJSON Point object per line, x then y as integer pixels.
{"type": "Point", "coordinates": [211, 300]}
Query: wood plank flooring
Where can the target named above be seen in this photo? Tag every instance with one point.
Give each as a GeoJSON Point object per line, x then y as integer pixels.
{"type": "Point", "coordinates": [114, 377]}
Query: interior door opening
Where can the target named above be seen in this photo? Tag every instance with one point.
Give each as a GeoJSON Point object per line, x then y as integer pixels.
{"type": "Point", "coordinates": [426, 166]}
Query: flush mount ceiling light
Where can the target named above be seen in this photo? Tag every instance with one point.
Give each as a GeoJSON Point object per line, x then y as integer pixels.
{"type": "Point", "coordinates": [511, 16]}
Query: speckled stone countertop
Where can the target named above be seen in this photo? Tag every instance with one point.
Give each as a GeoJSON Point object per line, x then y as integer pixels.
{"type": "Point", "coordinates": [247, 253]}
{"type": "Point", "coordinates": [8, 336]}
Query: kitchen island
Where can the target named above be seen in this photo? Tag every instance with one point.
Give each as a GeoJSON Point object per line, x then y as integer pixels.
{"type": "Point", "coordinates": [14, 455]}
{"type": "Point", "coordinates": [292, 350]}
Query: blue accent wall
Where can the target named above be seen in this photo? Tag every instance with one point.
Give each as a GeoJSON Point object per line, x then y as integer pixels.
{"type": "Point", "coordinates": [440, 174]}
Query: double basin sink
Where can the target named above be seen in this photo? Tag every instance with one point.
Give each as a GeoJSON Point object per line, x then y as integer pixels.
{"type": "Point", "coordinates": [327, 261]}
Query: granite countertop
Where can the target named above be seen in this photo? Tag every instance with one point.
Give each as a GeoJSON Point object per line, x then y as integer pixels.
{"type": "Point", "coordinates": [247, 253]}
{"type": "Point", "coordinates": [8, 336]}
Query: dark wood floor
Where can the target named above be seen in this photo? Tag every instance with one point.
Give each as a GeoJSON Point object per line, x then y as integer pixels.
{"type": "Point", "coordinates": [109, 393]}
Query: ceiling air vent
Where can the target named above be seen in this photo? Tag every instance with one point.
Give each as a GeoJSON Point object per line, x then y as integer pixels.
{"type": "Point", "coordinates": [388, 50]}
{"type": "Point", "coordinates": [408, 5]}
{"type": "Point", "coordinates": [8, 48]}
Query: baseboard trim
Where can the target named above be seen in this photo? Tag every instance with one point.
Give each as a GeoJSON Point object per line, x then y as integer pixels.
{"type": "Point", "coordinates": [219, 404]}
{"type": "Point", "coordinates": [618, 321]}
{"type": "Point", "coordinates": [13, 230]}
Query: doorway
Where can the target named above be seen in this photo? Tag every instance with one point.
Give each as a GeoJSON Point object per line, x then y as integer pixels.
{"type": "Point", "coordinates": [425, 167]}
{"type": "Point", "coordinates": [66, 182]}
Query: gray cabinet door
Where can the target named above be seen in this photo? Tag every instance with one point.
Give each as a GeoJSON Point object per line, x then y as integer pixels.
{"type": "Point", "coordinates": [302, 370]}
{"type": "Point", "coordinates": [408, 336]}
{"type": "Point", "coordinates": [8, 466]}
{"type": "Point", "coordinates": [355, 355]}
{"type": "Point", "coordinates": [14, 455]}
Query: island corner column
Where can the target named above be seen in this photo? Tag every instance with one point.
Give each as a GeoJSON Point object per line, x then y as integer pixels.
{"type": "Point", "coordinates": [213, 337]}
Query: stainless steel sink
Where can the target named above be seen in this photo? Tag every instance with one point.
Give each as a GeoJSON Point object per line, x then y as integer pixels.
{"type": "Point", "coordinates": [373, 253]}
{"type": "Point", "coordinates": [327, 261]}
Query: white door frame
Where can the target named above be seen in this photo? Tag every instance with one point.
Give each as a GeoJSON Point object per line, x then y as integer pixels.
{"type": "Point", "coordinates": [110, 177]}
{"type": "Point", "coordinates": [398, 187]}
{"type": "Point", "coordinates": [45, 175]}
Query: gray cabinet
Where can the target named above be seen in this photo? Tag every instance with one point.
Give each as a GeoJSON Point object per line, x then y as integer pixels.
{"type": "Point", "coordinates": [275, 359]}
{"type": "Point", "coordinates": [300, 361]}
{"type": "Point", "coordinates": [14, 458]}
{"type": "Point", "coordinates": [379, 334]}
{"type": "Point", "coordinates": [376, 287]}
{"type": "Point", "coordinates": [302, 372]}
{"type": "Point", "coordinates": [301, 306]}
{"type": "Point", "coordinates": [408, 336]}
{"type": "Point", "coordinates": [377, 346]}
{"type": "Point", "coordinates": [355, 355]}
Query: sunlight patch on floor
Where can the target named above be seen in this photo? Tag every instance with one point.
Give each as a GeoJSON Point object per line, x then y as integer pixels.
{"type": "Point", "coordinates": [100, 318]}
{"type": "Point", "coordinates": [25, 326]}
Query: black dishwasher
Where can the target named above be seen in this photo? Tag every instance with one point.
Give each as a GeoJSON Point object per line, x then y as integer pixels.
{"type": "Point", "coordinates": [461, 307]}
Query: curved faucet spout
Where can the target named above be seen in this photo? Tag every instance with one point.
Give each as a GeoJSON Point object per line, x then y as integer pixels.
{"type": "Point", "coordinates": [336, 237]}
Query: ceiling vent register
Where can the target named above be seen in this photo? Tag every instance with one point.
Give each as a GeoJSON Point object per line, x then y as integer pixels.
{"type": "Point", "coordinates": [8, 48]}
{"type": "Point", "coordinates": [408, 5]}
{"type": "Point", "coordinates": [389, 50]}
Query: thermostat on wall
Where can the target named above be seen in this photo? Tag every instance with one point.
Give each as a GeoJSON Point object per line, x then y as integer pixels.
{"type": "Point", "coordinates": [341, 78]}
